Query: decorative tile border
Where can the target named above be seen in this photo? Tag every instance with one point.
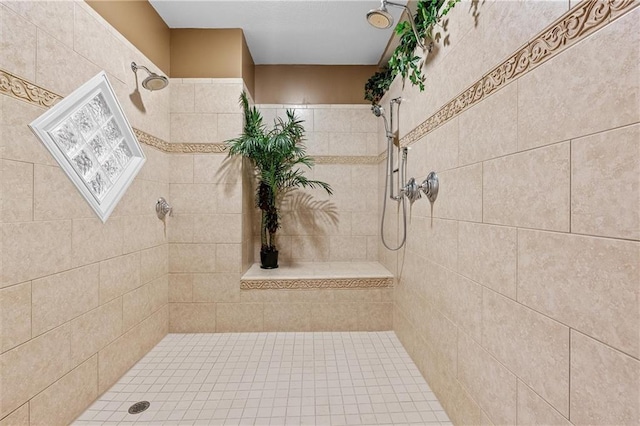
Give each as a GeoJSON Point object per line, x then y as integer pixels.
{"type": "Point", "coordinates": [582, 20]}
{"type": "Point", "coordinates": [328, 159]}
{"type": "Point", "coordinates": [316, 283]}
{"type": "Point", "coordinates": [19, 88]}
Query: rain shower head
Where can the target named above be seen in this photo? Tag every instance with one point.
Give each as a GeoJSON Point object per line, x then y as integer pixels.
{"type": "Point", "coordinates": [382, 19]}
{"type": "Point", "coordinates": [379, 17]}
{"type": "Point", "coordinates": [153, 81]}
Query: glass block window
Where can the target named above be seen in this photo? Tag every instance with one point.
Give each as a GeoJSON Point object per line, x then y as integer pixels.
{"type": "Point", "coordinates": [90, 137]}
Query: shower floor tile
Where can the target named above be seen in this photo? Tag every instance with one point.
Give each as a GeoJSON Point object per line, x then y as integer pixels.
{"type": "Point", "coordinates": [357, 378]}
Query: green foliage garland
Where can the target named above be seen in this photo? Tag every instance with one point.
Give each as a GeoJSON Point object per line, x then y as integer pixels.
{"type": "Point", "coordinates": [404, 61]}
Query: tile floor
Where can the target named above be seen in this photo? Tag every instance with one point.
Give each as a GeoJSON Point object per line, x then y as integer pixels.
{"type": "Point", "coordinates": [356, 378]}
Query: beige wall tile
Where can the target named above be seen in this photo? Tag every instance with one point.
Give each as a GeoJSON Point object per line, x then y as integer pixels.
{"type": "Point", "coordinates": [489, 129]}
{"type": "Point", "coordinates": [18, 45]}
{"type": "Point", "coordinates": [216, 168]}
{"type": "Point", "coordinates": [588, 283]}
{"type": "Point", "coordinates": [136, 306]}
{"type": "Point", "coordinates": [181, 167]}
{"type": "Point", "coordinates": [229, 126]}
{"type": "Point", "coordinates": [347, 248]}
{"type": "Point", "coordinates": [442, 242]}
{"type": "Point", "coordinates": [55, 197]}
{"type": "Point", "coordinates": [94, 40]}
{"type": "Point", "coordinates": [61, 77]}
{"type": "Point", "coordinates": [604, 384]}
{"type": "Point", "coordinates": [287, 317]}
{"type": "Point", "coordinates": [606, 97]}
{"type": "Point", "coordinates": [200, 198]}
{"type": "Point", "coordinates": [180, 287]}
{"type": "Point", "coordinates": [310, 248]}
{"type": "Point", "coordinates": [194, 128]}
{"type": "Point", "coordinates": [533, 410]}
{"type": "Point", "coordinates": [192, 317]}
{"type": "Point", "coordinates": [510, 25]}
{"type": "Point", "coordinates": [441, 148]}
{"type": "Point", "coordinates": [18, 141]}
{"type": "Point", "coordinates": [56, 18]}
{"type": "Point", "coordinates": [116, 358]}
{"type": "Point", "coordinates": [94, 241]}
{"type": "Point", "coordinates": [217, 97]}
{"type": "Point", "coordinates": [159, 292]}
{"type": "Point", "coordinates": [94, 330]}
{"type": "Point", "coordinates": [487, 255]}
{"type": "Point", "coordinates": [229, 198]}
{"type": "Point", "coordinates": [216, 288]}
{"type": "Point", "coordinates": [15, 316]}
{"type": "Point", "coordinates": [529, 344]}
{"type": "Point", "coordinates": [375, 316]}
{"type": "Point", "coordinates": [331, 120]}
{"type": "Point", "coordinates": [142, 232]}
{"type": "Point", "coordinates": [334, 316]}
{"type": "Point", "coordinates": [157, 166]}
{"type": "Point", "coordinates": [239, 317]}
{"type": "Point", "coordinates": [530, 189]}
{"type": "Point", "coordinates": [460, 194]}
{"type": "Point", "coordinates": [59, 298]}
{"type": "Point", "coordinates": [219, 228]}
{"type": "Point", "coordinates": [31, 367]}
{"type": "Point", "coordinates": [17, 191]}
{"type": "Point", "coordinates": [38, 249]}
{"type": "Point", "coordinates": [154, 263]}
{"type": "Point", "coordinates": [192, 258]}
{"type": "Point", "coordinates": [67, 398]}
{"type": "Point", "coordinates": [182, 97]}
{"type": "Point", "coordinates": [487, 381]}
{"type": "Point", "coordinates": [605, 184]}
{"type": "Point", "coordinates": [119, 276]}
{"type": "Point", "coordinates": [228, 258]}
{"type": "Point", "coordinates": [19, 417]}
{"type": "Point", "coordinates": [466, 299]}
{"type": "Point", "coordinates": [180, 229]}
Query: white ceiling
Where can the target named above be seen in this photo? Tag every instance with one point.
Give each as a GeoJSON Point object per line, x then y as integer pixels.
{"type": "Point", "coordinates": [319, 32]}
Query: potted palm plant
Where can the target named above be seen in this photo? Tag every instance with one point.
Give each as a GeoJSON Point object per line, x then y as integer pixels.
{"type": "Point", "coordinates": [276, 156]}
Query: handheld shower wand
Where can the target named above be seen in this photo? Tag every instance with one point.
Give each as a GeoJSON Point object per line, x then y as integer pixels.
{"type": "Point", "coordinates": [378, 111]}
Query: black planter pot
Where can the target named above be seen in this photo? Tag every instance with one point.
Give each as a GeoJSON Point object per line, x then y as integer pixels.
{"type": "Point", "coordinates": [269, 259]}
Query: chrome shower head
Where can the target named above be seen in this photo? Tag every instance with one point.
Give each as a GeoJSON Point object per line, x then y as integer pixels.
{"type": "Point", "coordinates": [382, 19]}
{"type": "Point", "coordinates": [377, 110]}
{"type": "Point", "coordinates": [379, 17]}
{"type": "Point", "coordinates": [153, 81]}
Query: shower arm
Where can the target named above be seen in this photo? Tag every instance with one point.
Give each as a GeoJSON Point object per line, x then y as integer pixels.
{"type": "Point", "coordinates": [411, 21]}
{"type": "Point", "coordinates": [135, 67]}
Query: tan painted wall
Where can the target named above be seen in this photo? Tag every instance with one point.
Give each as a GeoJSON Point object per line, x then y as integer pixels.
{"type": "Point", "coordinates": [206, 53]}
{"type": "Point", "coordinates": [80, 301]}
{"type": "Point", "coordinates": [139, 22]}
{"type": "Point", "coordinates": [518, 293]}
{"type": "Point", "coordinates": [248, 67]}
{"type": "Point", "coordinates": [311, 84]}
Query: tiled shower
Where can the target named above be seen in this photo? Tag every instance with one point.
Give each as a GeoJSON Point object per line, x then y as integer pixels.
{"type": "Point", "coordinates": [515, 301]}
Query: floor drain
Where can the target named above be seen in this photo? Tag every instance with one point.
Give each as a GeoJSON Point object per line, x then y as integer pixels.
{"type": "Point", "coordinates": [139, 407]}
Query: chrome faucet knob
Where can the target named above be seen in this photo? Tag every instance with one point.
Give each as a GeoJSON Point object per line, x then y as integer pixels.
{"type": "Point", "coordinates": [412, 190]}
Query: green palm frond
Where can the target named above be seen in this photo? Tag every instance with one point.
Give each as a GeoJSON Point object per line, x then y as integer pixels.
{"type": "Point", "coordinates": [276, 156]}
